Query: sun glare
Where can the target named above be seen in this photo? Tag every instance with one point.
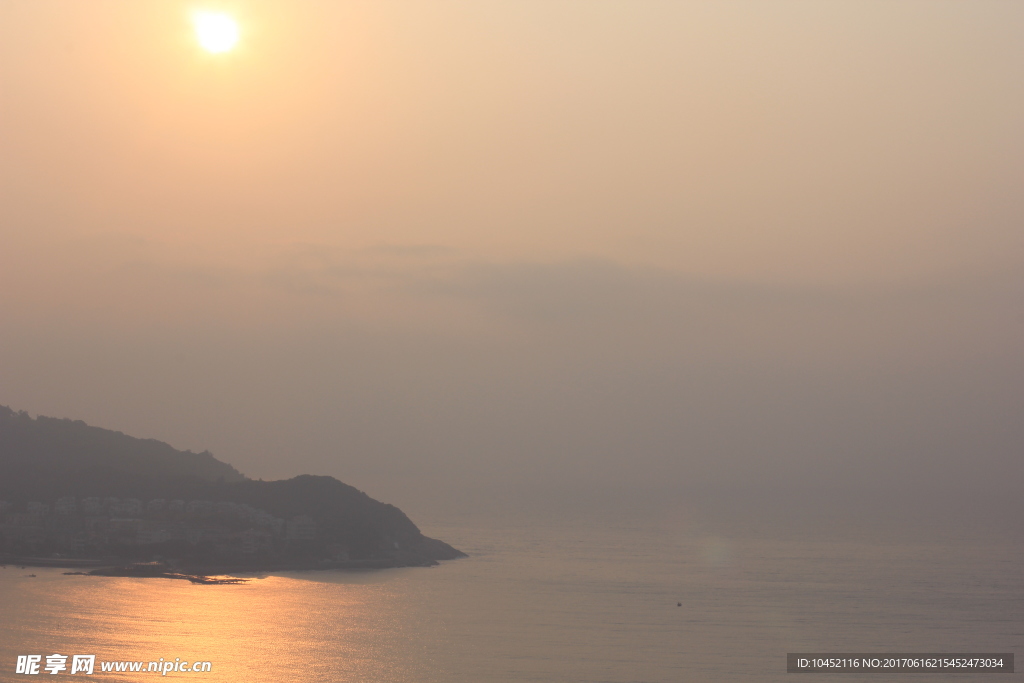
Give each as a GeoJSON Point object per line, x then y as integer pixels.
{"type": "Point", "coordinates": [215, 31]}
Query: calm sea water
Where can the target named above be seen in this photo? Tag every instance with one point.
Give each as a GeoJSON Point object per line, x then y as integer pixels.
{"type": "Point", "coordinates": [577, 600]}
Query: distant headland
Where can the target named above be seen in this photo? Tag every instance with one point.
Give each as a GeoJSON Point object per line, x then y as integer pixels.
{"type": "Point", "coordinates": [73, 495]}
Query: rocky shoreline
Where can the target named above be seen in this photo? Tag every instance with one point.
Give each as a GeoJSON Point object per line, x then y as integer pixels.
{"type": "Point", "coordinates": [199, 574]}
{"type": "Point", "coordinates": [194, 578]}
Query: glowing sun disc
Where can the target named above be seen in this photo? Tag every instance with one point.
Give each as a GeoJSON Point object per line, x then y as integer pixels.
{"type": "Point", "coordinates": [215, 31]}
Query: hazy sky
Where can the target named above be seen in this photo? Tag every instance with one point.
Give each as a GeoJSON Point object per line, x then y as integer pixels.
{"type": "Point", "coordinates": [444, 243]}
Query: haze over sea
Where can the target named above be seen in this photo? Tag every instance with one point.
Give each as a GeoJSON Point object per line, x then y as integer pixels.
{"type": "Point", "coordinates": [569, 592]}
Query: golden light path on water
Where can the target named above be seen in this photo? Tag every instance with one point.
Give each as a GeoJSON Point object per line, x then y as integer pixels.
{"type": "Point", "coordinates": [276, 628]}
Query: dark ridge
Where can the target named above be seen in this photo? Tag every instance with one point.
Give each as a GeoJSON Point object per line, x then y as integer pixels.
{"type": "Point", "coordinates": [62, 451]}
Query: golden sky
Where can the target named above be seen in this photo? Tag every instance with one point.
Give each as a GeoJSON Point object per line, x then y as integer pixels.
{"type": "Point", "coordinates": [504, 190]}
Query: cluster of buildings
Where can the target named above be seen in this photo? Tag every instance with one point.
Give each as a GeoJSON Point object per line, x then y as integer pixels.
{"type": "Point", "coordinates": [93, 527]}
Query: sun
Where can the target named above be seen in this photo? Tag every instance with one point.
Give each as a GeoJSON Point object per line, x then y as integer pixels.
{"type": "Point", "coordinates": [215, 31]}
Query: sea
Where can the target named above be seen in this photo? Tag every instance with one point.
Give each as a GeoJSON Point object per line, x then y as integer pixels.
{"type": "Point", "coordinates": [649, 594]}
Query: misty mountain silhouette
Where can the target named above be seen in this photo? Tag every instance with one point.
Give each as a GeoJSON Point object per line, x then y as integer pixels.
{"type": "Point", "coordinates": [116, 495]}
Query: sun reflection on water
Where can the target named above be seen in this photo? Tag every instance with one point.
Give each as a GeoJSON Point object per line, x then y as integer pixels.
{"type": "Point", "coordinates": [279, 628]}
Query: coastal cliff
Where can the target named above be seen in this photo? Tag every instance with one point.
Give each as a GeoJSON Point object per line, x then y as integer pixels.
{"type": "Point", "coordinates": [76, 492]}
